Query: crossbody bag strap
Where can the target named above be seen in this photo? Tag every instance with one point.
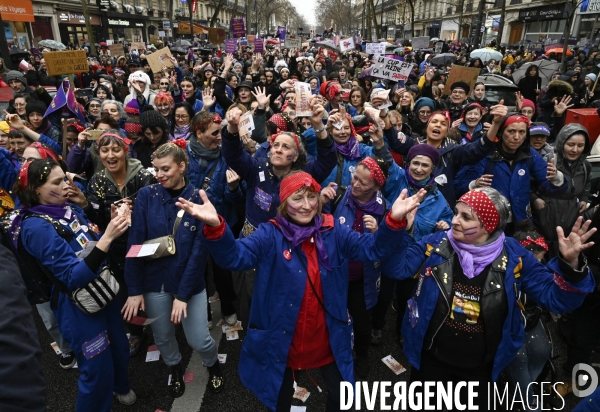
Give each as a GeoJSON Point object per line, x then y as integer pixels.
{"type": "Point", "coordinates": [180, 215]}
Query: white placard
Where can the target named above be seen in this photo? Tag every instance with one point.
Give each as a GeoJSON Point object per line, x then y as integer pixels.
{"type": "Point", "coordinates": [438, 47]}
{"type": "Point", "coordinates": [346, 44]}
{"type": "Point", "coordinates": [375, 48]}
{"type": "Point", "coordinates": [246, 125]}
{"type": "Point", "coordinates": [391, 69]}
{"type": "Point", "coordinates": [419, 43]}
{"type": "Point", "coordinates": [293, 43]}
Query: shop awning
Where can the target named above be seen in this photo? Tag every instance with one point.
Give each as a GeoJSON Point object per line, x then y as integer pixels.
{"type": "Point", "coordinates": [184, 28]}
{"type": "Point", "coordinates": [17, 10]}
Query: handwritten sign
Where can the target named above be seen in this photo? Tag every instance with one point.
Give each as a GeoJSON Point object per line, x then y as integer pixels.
{"type": "Point", "coordinates": [375, 48]}
{"type": "Point", "coordinates": [462, 74]}
{"type": "Point", "coordinates": [216, 36]}
{"type": "Point", "coordinates": [159, 59]}
{"type": "Point", "coordinates": [138, 45]}
{"type": "Point", "coordinates": [391, 69]}
{"type": "Point", "coordinates": [346, 44]}
{"type": "Point", "coordinates": [259, 45]}
{"type": "Point", "coordinates": [303, 95]}
{"type": "Point", "coordinates": [419, 43]}
{"type": "Point", "coordinates": [66, 62]}
{"type": "Point", "coordinates": [246, 126]}
{"type": "Point", "coordinates": [293, 43]}
{"type": "Point", "coordinates": [230, 46]}
{"type": "Point", "coordinates": [238, 29]}
{"type": "Point", "coordinates": [154, 39]}
{"type": "Point", "coordinates": [251, 38]}
{"type": "Point", "coordinates": [116, 50]}
{"type": "Point", "coordinates": [438, 47]}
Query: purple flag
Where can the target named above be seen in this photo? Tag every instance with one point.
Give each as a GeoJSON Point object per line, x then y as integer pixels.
{"type": "Point", "coordinates": [64, 100]}
{"type": "Point", "coordinates": [281, 32]}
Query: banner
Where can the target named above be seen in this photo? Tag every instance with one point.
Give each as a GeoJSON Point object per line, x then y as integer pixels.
{"type": "Point", "coordinates": [216, 36]}
{"type": "Point", "coordinates": [238, 29]}
{"type": "Point", "coordinates": [230, 46]}
{"type": "Point", "coordinates": [346, 44]}
{"type": "Point", "coordinates": [419, 43]}
{"type": "Point", "coordinates": [375, 48]}
{"type": "Point", "coordinates": [391, 69]}
{"type": "Point", "coordinates": [281, 32]}
{"type": "Point", "coordinates": [65, 102]}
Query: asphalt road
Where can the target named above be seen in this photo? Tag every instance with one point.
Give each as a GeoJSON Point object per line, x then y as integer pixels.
{"type": "Point", "coordinates": [149, 379]}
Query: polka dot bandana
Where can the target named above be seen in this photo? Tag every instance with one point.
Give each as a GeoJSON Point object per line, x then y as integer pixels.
{"type": "Point", "coordinates": [376, 173]}
{"type": "Point", "coordinates": [24, 175]}
{"type": "Point", "coordinates": [483, 207]}
{"type": "Point", "coordinates": [540, 241]}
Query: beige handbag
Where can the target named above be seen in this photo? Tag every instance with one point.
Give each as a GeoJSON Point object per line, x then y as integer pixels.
{"type": "Point", "coordinates": [166, 245]}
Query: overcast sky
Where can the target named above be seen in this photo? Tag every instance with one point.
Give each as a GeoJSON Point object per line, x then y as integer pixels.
{"type": "Point", "coordinates": [306, 8]}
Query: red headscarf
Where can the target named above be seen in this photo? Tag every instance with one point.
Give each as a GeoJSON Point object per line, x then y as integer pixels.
{"type": "Point", "coordinates": [483, 207]}
{"type": "Point", "coordinates": [376, 173]}
{"type": "Point", "coordinates": [45, 151]}
{"type": "Point", "coordinates": [295, 182]}
{"type": "Point", "coordinates": [540, 241]}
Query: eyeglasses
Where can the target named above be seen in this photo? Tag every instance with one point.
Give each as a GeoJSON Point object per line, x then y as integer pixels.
{"type": "Point", "coordinates": [19, 104]}
{"type": "Point", "coordinates": [182, 116]}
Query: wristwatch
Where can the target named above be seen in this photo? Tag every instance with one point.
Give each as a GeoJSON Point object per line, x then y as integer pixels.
{"type": "Point", "coordinates": [320, 130]}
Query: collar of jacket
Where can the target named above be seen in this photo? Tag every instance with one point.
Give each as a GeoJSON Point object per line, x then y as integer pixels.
{"type": "Point", "coordinates": [187, 193]}
{"type": "Point", "coordinates": [522, 153]}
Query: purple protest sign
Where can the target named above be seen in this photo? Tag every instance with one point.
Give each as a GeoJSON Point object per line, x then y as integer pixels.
{"type": "Point", "coordinates": [238, 29]}
{"type": "Point", "coordinates": [230, 46]}
{"type": "Point", "coordinates": [259, 46]}
{"type": "Point", "coordinates": [281, 32]}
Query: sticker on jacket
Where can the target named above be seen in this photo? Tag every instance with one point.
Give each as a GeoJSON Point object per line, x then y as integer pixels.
{"type": "Point", "coordinates": [466, 308]}
{"type": "Point", "coordinates": [263, 199]}
{"type": "Point", "coordinates": [95, 346]}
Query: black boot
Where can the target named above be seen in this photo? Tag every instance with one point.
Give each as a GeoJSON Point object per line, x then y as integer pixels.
{"type": "Point", "coordinates": [215, 378]}
{"type": "Point", "coordinates": [177, 385]}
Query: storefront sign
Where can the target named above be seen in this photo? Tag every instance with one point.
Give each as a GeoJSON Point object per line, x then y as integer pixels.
{"type": "Point", "coordinates": [17, 10]}
{"type": "Point", "coordinates": [139, 24]}
{"type": "Point", "coordinates": [119, 22]}
{"type": "Point", "coordinates": [551, 12]}
{"type": "Point", "coordinates": [69, 17]}
{"type": "Point", "coordinates": [103, 4]}
{"type": "Point", "coordinates": [590, 6]}
{"type": "Point", "coordinates": [66, 62]}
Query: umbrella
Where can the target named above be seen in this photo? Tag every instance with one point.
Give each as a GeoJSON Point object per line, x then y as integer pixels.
{"type": "Point", "coordinates": [178, 50]}
{"type": "Point", "coordinates": [16, 54]}
{"type": "Point", "coordinates": [444, 58]}
{"type": "Point", "coordinates": [365, 73]}
{"type": "Point", "coordinates": [182, 43]}
{"type": "Point", "coordinates": [546, 68]}
{"type": "Point", "coordinates": [328, 44]}
{"type": "Point", "coordinates": [399, 50]}
{"type": "Point", "coordinates": [486, 55]}
{"type": "Point", "coordinates": [52, 44]}
{"type": "Point", "coordinates": [433, 40]}
{"type": "Point", "coordinates": [559, 50]}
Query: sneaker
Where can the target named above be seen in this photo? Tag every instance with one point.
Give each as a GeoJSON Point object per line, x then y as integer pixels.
{"type": "Point", "coordinates": [231, 320]}
{"type": "Point", "coordinates": [127, 399]}
{"type": "Point", "coordinates": [177, 385]}
{"type": "Point", "coordinates": [135, 345]}
{"type": "Point", "coordinates": [210, 325]}
{"type": "Point", "coordinates": [215, 378]}
{"type": "Point", "coordinates": [67, 361]}
{"type": "Point", "coordinates": [376, 336]}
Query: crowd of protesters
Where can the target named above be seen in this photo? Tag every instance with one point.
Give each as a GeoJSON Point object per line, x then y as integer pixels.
{"type": "Point", "coordinates": [474, 218]}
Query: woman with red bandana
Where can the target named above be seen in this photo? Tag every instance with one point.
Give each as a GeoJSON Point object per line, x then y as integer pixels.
{"type": "Point", "coordinates": [510, 168]}
{"type": "Point", "coordinates": [470, 124]}
{"type": "Point", "coordinates": [301, 255]}
{"type": "Point", "coordinates": [463, 322]}
{"type": "Point", "coordinates": [332, 91]}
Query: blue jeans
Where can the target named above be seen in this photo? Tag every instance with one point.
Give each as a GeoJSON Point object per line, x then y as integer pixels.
{"type": "Point", "coordinates": [195, 326]}
{"type": "Point", "coordinates": [52, 326]}
{"type": "Point", "coordinates": [529, 362]}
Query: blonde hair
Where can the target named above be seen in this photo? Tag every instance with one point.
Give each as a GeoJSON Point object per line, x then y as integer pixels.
{"type": "Point", "coordinates": [411, 104]}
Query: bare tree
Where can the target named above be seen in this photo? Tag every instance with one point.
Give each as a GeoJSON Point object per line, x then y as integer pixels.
{"type": "Point", "coordinates": [337, 13]}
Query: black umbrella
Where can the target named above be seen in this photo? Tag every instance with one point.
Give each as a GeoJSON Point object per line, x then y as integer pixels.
{"type": "Point", "coordinates": [443, 59]}
{"type": "Point", "coordinates": [178, 50]}
{"type": "Point", "coordinates": [18, 53]}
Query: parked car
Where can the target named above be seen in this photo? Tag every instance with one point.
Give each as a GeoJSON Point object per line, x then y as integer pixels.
{"type": "Point", "coordinates": [498, 88]}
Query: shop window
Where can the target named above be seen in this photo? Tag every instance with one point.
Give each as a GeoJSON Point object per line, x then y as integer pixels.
{"type": "Point", "coordinates": [469, 7]}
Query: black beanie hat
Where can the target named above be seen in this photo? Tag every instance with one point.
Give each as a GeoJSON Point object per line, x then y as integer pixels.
{"type": "Point", "coordinates": [152, 119]}
{"type": "Point", "coordinates": [35, 106]}
{"type": "Point", "coordinates": [461, 85]}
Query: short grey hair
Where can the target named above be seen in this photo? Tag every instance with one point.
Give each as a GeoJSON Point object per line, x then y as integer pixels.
{"type": "Point", "coordinates": [119, 105]}
{"type": "Point", "coordinates": [501, 203]}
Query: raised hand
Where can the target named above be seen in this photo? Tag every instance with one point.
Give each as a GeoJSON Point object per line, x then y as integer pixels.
{"type": "Point", "coordinates": [561, 107]}
{"type": "Point", "coordinates": [328, 193]}
{"type": "Point", "coordinates": [261, 98]}
{"type": "Point", "coordinates": [14, 120]}
{"type": "Point", "coordinates": [499, 112]}
{"type": "Point", "coordinates": [404, 204]}
{"type": "Point", "coordinates": [519, 102]}
{"type": "Point", "coordinates": [484, 181]}
{"type": "Point", "coordinates": [571, 246]}
{"type": "Point", "coordinates": [205, 212]}
{"type": "Point", "coordinates": [207, 98]}
{"type": "Point", "coordinates": [551, 170]}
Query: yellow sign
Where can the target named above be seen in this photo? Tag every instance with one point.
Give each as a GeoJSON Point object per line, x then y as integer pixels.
{"type": "Point", "coordinates": [116, 50]}
{"type": "Point", "coordinates": [138, 46]}
{"type": "Point", "coordinates": [66, 62]}
{"type": "Point", "coordinates": [463, 74]}
{"type": "Point", "coordinates": [158, 59]}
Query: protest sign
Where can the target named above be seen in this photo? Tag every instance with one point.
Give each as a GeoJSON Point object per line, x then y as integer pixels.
{"type": "Point", "coordinates": [138, 46]}
{"type": "Point", "coordinates": [303, 95]}
{"type": "Point", "coordinates": [463, 74]}
{"type": "Point", "coordinates": [391, 69]}
{"type": "Point", "coordinates": [153, 39]}
{"type": "Point", "coordinates": [158, 59]}
{"type": "Point", "coordinates": [281, 32]}
{"type": "Point", "coordinates": [259, 45]}
{"type": "Point", "coordinates": [246, 125]}
{"type": "Point", "coordinates": [438, 47]}
{"type": "Point", "coordinates": [419, 43]}
{"type": "Point", "coordinates": [238, 29]}
{"type": "Point", "coordinates": [293, 43]}
{"type": "Point", "coordinates": [346, 44]}
{"type": "Point", "coordinates": [66, 62]}
{"type": "Point", "coordinates": [216, 36]}
{"type": "Point", "coordinates": [161, 33]}
{"type": "Point", "coordinates": [375, 48]}
{"type": "Point", "coordinates": [230, 46]}
{"type": "Point", "coordinates": [251, 38]}
{"type": "Point", "coordinates": [116, 50]}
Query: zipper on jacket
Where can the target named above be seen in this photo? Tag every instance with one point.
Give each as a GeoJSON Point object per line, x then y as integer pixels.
{"type": "Point", "coordinates": [447, 312]}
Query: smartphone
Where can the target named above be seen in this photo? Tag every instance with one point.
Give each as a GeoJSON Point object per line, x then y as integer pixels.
{"type": "Point", "coordinates": [80, 180]}
{"type": "Point", "coordinates": [87, 92]}
{"type": "Point", "coordinates": [95, 134]}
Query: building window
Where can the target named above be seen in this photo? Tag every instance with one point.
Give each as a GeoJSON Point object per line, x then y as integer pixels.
{"type": "Point", "coordinates": [469, 7]}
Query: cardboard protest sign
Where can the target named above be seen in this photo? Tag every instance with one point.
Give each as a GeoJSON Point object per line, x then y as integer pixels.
{"type": "Point", "coordinates": [463, 74]}
{"type": "Point", "coordinates": [420, 42]}
{"type": "Point", "coordinates": [116, 50]}
{"type": "Point", "coordinates": [375, 48]}
{"type": "Point", "coordinates": [158, 59]}
{"type": "Point", "coordinates": [216, 36]}
{"type": "Point", "coordinates": [138, 46]}
{"type": "Point", "coordinates": [293, 43]}
{"type": "Point", "coordinates": [303, 95]}
{"type": "Point", "coordinates": [153, 39]}
{"type": "Point", "coordinates": [66, 62]}
{"type": "Point", "coordinates": [391, 69]}
{"type": "Point", "coordinates": [251, 38]}
{"type": "Point", "coordinates": [346, 44]}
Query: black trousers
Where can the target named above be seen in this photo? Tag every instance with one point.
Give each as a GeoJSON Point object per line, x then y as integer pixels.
{"type": "Point", "coordinates": [332, 377]}
{"type": "Point", "coordinates": [386, 294]}
{"type": "Point", "coordinates": [224, 284]}
{"type": "Point", "coordinates": [581, 329]}
{"type": "Point", "coordinates": [361, 317]}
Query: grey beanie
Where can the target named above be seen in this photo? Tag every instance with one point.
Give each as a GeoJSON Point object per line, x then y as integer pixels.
{"type": "Point", "coordinates": [16, 75]}
{"type": "Point", "coordinates": [152, 119]}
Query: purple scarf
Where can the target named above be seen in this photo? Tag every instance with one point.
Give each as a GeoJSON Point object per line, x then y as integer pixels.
{"type": "Point", "coordinates": [474, 259]}
{"type": "Point", "coordinates": [350, 150]}
{"type": "Point", "coordinates": [56, 212]}
{"type": "Point", "coordinates": [182, 132]}
{"type": "Point", "coordinates": [413, 182]}
{"type": "Point", "coordinates": [373, 207]}
{"type": "Point", "coordinates": [298, 234]}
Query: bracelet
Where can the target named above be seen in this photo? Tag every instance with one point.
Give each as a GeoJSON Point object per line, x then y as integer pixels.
{"type": "Point", "coordinates": [320, 130]}
{"type": "Point", "coordinates": [386, 115]}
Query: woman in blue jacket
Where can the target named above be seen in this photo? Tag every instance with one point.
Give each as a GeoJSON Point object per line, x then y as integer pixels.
{"type": "Point", "coordinates": [171, 288]}
{"type": "Point", "coordinates": [464, 321]}
{"type": "Point", "coordinates": [43, 190]}
{"type": "Point", "coordinates": [299, 316]}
